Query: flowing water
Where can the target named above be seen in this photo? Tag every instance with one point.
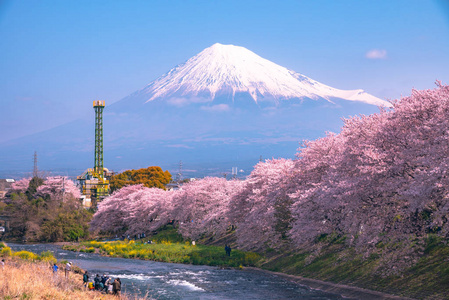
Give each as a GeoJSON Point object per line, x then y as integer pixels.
{"type": "Point", "coordinates": [158, 280]}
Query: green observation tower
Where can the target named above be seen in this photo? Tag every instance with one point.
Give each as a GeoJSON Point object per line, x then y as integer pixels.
{"type": "Point", "coordinates": [94, 182]}
{"type": "Point", "coordinates": [98, 161]}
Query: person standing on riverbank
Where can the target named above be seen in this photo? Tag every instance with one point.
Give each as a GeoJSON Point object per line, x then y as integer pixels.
{"type": "Point", "coordinates": [116, 287]}
{"type": "Point", "coordinates": [85, 279]}
{"type": "Point", "coordinates": [110, 288]}
{"type": "Point", "coordinates": [2, 264]}
{"type": "Point", "coordinates": [68, 268]}
{"type": "Point", "coordinates": [228, 250]}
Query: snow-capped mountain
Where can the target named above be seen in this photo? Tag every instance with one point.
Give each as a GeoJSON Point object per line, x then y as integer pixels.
{"type": "Point", "coordinates": [224, 107]}
{"type": "Point", "coordinates": [229, 70]}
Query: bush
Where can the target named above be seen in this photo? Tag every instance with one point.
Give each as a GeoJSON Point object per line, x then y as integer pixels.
{"type": "Point", "coordinates": [26, 255]}
{"type": "Point", "coordinates": [6, 252]}
{"type": "Point", "coordinates": [48, 257]}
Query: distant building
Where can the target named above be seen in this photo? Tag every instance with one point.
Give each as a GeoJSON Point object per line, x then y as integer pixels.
{"type": "Point", "coordinates": [5, 186]}
{"type": "Point", "coordinates": [173, 186]}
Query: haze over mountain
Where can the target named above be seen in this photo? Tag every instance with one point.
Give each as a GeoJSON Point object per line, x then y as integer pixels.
{"type": "Point", "coordinates": [224, 107]}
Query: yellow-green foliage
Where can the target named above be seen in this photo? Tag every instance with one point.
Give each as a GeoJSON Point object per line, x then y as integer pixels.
{"type": "Point", "coordinates": [251, 258]}
{"type": "Point", "coordinates": [47, 256]}
{"type": "Point", "coordinates": [92, 244]}
{"type": "Point", "coordinates": [6, 251]}
{"type": "Point", "coordinates": [26, 255]}
{"type": "Point", "coordinates": [176, 253]}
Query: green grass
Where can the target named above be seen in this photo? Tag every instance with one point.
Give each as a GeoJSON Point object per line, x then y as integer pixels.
{"type": "Point", "coordinates": [427, 279]}
{"type": "Point", "coordinates": [167, 251]}
{"type": "Point", "coordinates": [169, 246]}
{"type": "Point", "coordinates": [167, 233]}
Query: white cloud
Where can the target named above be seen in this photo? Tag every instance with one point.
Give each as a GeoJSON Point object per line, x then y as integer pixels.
{"type": "Point", "coordinates": [218, 107]}
{"type": "Point", "coordinates": [179, 146]}
{"type": "Point", "coordinates": [180, 102]}
{"type": "Point", "coordinates": [376, 54]}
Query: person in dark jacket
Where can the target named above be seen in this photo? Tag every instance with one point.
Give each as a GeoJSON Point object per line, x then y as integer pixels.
{"type": "Point", "coordinates": [98, 284]}
{"type": "Point", "coordinates": [85, 279]}
{"type": "Point", "coordinates": [116, 287]}
{"type": "Point", "coordinates": [228, 250]}
{"type": "Point", "coordinates": [105, 281]}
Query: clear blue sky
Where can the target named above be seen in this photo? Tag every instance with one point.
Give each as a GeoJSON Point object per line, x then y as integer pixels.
{"type": "Point", "coordinates": [58, 56]}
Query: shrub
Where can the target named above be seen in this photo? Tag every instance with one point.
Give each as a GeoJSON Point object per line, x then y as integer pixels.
{"type": "Point", "coordinates": [26, 255]}
{"type": "Point", "coordinates": [48, 257]}
{"type": "Point", "coordinates": [5, 252]}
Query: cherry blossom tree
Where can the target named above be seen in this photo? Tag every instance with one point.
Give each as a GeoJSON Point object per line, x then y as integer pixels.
{"type": "Point", "coordinates": [58, 189]}
{"type": "Point", "coordinates": [133, 209]}
{"type": "Point", "coordinates": [261, 211]}
{"type": "Point", "coordinates": [113, 211]}
{"type": "Point", "coordinates": [383, 177]}
{"type": "Point", "coordinates": [21, 185]}
{"type": "Point", "coordinates": [201, 207]}
{"type": "Point", "coordinates": [149, 209]}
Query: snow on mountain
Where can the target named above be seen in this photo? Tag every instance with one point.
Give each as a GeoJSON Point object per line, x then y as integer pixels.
{"type": "Point", "coordinates": [229, 69]}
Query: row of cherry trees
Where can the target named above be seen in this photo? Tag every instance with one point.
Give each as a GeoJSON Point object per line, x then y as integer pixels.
{"type": "Point", "coordinates": [383, 178]}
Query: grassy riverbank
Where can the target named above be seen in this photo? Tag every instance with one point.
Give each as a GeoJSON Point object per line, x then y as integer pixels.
{"type": "Point", "coordinates": [167, 251]}
{"type": "Point", "coordinates": [28, 275]}
{"type": "Point", "coordinates": [169, 246]}
{"type": "Point", "coordinates": [427, 278]}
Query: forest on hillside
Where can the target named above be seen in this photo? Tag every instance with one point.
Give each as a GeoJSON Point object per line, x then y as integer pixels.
{"type": "Point", "coordinates": [49, 209]}
{"type": "Point", "coordinates": [46, 210]}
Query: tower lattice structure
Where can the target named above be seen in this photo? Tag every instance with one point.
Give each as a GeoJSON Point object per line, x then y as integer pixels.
{"type": "Point", "coordinates": [98, 161]}
{"type": "Point", "coordinates": [94, 182]}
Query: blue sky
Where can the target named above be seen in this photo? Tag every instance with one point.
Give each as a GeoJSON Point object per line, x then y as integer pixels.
{"type": "Point", "coordinates": [58, 56]}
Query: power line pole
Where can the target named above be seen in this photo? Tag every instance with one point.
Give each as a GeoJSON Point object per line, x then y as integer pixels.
{"type": "Point", "coordinates": [35, 171]}
{"type": "Point", "coordinates": [179, 174]}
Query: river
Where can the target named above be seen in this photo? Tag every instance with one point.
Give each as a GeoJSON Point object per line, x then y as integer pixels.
{"type": "Point", "coordinates": [162, 281]}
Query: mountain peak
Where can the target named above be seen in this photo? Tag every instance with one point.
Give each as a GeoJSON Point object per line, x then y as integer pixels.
{"type": "Point", "coordinates": [230, 70]}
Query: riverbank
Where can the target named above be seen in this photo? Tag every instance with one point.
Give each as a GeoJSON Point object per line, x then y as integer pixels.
{"type": "Point", "coordinates": [334, 266]}
{"type": "Point", "coordinates": [28, 275]}
{"type": "Point", "coordinates": [166, 251]}
{"type": "Point", "coordinates": [426, 277]}
{"type": "Point", "coordinates": [349, 292]}
{"type": "Point", "coordinates": [170, 252]}
{"type": "Point", "coordinates": [31, 280]}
